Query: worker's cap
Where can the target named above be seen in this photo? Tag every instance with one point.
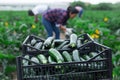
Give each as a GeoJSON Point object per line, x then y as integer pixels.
{"type": "Point", "coordinates": [30, 13]}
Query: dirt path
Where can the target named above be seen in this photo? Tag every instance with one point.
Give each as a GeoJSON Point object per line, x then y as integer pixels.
{"type": "Point", "coordinates": [14, 75]}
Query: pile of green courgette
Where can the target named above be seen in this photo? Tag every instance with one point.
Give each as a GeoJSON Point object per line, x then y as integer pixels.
{"type": "Point", "coordinates": [50, 42]}
{"type": "Point", "coordinates": [53, 46]}
{"type": "Point", "coordinates": [54, 56]}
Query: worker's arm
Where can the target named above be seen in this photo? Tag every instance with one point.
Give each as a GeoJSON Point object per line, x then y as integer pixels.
{"type": "Point", "coordinates": [63, 28]}
{"type": "Point", "coordinates": [36, 18]}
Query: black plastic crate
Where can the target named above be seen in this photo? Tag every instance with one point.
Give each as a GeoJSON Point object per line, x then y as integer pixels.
{"type": "Point", "coordinates": [26, 47]}
{"type": "Point", "coordinates": [92, 69]}
{"type": "Point", "coordinates": [85, 38]}
{"type": "Point", "coordinates": [30, 49]}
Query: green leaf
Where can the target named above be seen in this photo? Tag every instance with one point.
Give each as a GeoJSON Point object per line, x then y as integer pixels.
{"type": "Point", "coordinates": [10, 68]}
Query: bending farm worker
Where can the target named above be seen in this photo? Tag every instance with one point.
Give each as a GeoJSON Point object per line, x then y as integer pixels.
{"type": "Point", "coordinates": [56, 19]}
{"type": "Point", "coordinates": [38, 10]}
{"type": "Point", "coordinates": [80, 9]}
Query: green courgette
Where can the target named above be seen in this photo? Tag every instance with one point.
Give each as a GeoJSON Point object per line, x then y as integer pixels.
{"type": "Point", "coordinates": [34, 59]}
{"type": "Point", "coordinates": [67, 57]}
{"type": "Point", "coordinates": [73, 40]}
{"type": "Point", "coordinates": [66, 47]}
{"type": "Point", "coordinates": [56, 55]}
{"type": "Point", "coordinates": [75, 55]}
{"type": "Point", "coordinates": [48, 42]}
{"type": "Point", "coordinates": [62, 44]}
{"type": "Point", "coordinates": [58, 42]}
{"type": "Point", "coordinates": [86, 57]}
{"type": "Point", "coordinates": [51, 60]}
{"type": "Point", "coordinates": [38, 45]}
{"type": "Point", "coordinates": [42, 58]}
{"type": "Point", "coordinates": [28, 48]}
{"type": "Point", "coordinates": [82, 59]}
{"type": "Point", "coordinates": [93, 54]}
{"type": "Point", "coordinates": [79, 43]}
{"type": "Point", "coordinates": [25, 62]}
{"type": "Point", "coordinates": [33, 41]}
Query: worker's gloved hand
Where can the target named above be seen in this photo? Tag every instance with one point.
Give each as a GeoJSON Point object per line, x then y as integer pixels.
{"type": "Point", "coordinates": [63, 28]}
{"type": "Point", "coordinates": [68, 32]}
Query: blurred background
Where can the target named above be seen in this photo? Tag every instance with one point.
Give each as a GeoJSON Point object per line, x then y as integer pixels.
{"type": "Point", "coordinates": [101, 19]}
